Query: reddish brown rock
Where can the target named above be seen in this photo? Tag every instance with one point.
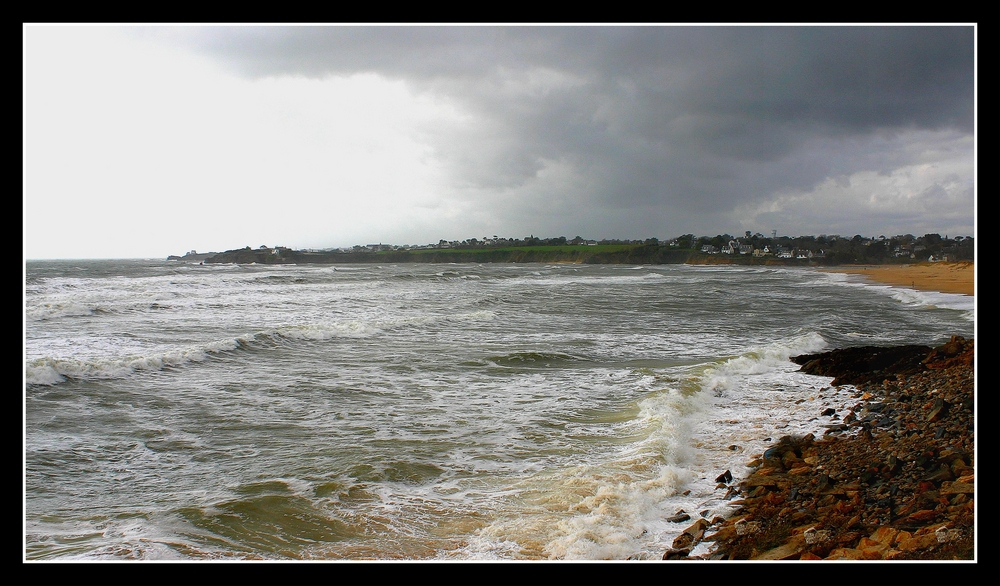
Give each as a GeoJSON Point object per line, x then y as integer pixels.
{"type": "Point", "coordinates": [897, 483]}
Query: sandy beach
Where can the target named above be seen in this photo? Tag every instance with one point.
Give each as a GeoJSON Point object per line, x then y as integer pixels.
{"type": "Point", "coordinates": [946, 277]}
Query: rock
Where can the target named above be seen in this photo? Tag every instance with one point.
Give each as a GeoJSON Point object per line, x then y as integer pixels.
{"type": "Point", "coordinates": [676, 554]}
{"type": "Point", "coordinates": [957, 487]}
{"type": "Point", "coordinates": [897, 482]}
{"type": "Point", "coordinates": [936, 409]}
{"type": "Point", "coordinates": [924, 515]}
{"type": "Point", "coordinates": [918, 542]}
{"type": "Point", "coordinates": [957, 352]}
{"type": "Point", "coordinates": [864, 363]}
{"type": "Point", "coordinates": [692, 535]}
{"type": "Point", "coordinates": [783, 552]}
{"type": "Point", "coordinates": [885, 535]}
{"type": "Point", "coordinates": [850, 554]}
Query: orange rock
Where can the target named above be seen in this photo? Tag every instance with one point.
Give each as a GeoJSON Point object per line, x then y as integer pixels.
{"type": "Point", "coordinates": [885, 535]}
{"type": "Point", "coordinates": [920, 516]}
{"type": "Point", "coordinates": [866, 542]}
{"type": "Point", "coordinates": [871, 549]}
{"type": "Point", "coordinates": [845, 554]}
{"type": "Point", "coordinates": [918, 542]}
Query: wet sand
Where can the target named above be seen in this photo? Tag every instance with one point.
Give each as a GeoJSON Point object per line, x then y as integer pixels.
{"type": "Point", "coordinates": [945, 277]}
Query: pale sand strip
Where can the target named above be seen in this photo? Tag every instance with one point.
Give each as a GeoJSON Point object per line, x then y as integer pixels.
{"type": "Point", "coordinates": [946, 277]}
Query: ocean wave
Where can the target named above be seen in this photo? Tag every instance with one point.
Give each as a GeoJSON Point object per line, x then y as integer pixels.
{"type": "Point", "coordinates": [533, 359]}
{"type": "Point", "coordinates": [402, 322]}
{"type": "Point", "coordinates": [51, 371]}
{"type": "Point", "coordinates": [608, 507]}
{"type": "Point", "coordinates": [615, 508]}
{"type": "Point", "coordinates": [906, 295]}
{"type": "Point", "coordinates": [55, 370]}
{"type": "Point", "coordinates": [324, 331]}
{"type": "Point", "coordinates": [65, 309]}
{"type": "Point", "coordinates": [75, 309]}
{"type": "Point", "coordinates": [595, 280]}
{"type": "Point", "coordinates": [729, 373]}
{"type": "Point", "coordinates": [90, 303]}
{"type": "Point", "coordinates": [934, 299]}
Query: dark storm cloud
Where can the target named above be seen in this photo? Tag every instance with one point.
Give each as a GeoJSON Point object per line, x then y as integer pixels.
{"type": "Point", "coordinates": [698, 118]}
{"type": "Point", "coordinates": [853, 77]}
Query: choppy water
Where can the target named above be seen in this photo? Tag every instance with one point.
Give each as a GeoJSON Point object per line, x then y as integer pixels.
{"type": "Point", "coordinates": [182, 411]}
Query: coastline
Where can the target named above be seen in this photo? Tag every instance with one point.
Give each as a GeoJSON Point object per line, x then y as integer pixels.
{"type": "Point", "coordinates": [891, 479]}
{"type": "Point", "coordinates": [943, 277]}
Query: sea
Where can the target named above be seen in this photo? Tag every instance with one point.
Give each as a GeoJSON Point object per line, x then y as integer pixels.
{"type": "Point", "coordinates": [180, 411]}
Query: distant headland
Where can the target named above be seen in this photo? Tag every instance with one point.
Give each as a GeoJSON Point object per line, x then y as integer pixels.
{"type": "Point", "coordinates": [193, 256]}
{"type": "Point", "coordinates": [750, 249]}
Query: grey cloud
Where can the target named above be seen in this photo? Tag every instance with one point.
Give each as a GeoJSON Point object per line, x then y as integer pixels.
{"type": "Point", "coordinates": [854, 76]}
{"type": "Point", "coordinates": [696, 118]}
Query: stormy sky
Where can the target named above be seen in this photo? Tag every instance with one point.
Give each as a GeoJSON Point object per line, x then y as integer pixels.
{"type": "Point", "coordinates": [144, 141]}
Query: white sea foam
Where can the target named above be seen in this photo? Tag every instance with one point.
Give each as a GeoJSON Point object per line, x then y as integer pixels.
{"type": "Point", "coordinates": [40, 373]}
{"type": "Point", "coordinates": [63, 309]}
{"type": "Point", "coordinates": [955, 301]}
{"type": "Point", "coordinates": [326, 331]}
{"type": "Point", "coordinates": [53, 370]}
{"type": "Point", "coordinates": [599, 280]}
{"type": "Point", "coordinates": [625, 517]}
{"type": "Point", "coordinates": [731, 373]}
{"type": "Point", "coordinates": [908, 296]}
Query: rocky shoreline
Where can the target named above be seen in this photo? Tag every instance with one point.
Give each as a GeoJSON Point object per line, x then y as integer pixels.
{"type": "Point", "coordinates": [891, 479]}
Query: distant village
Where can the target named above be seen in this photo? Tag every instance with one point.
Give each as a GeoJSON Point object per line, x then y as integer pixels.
{"type": "Point", "coordinates": [747, 249]}
{"type": "Point", "coordinates": [835, 248]}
